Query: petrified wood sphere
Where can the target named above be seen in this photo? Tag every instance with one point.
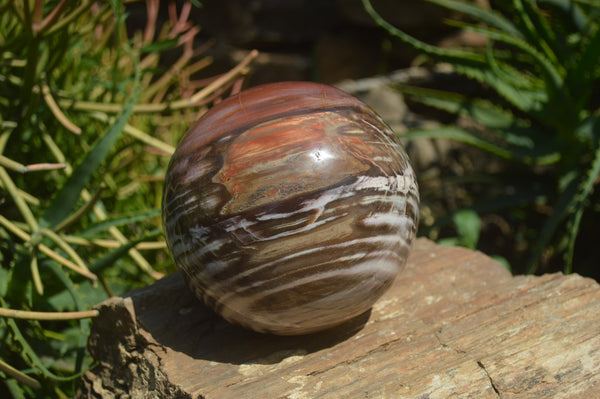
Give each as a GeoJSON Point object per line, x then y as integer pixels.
{"type": "Point", "coordinates": [290, 208]}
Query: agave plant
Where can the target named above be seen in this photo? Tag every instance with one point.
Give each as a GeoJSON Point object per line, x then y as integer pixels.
{"type": "Point", "coordinates": [542, 64]}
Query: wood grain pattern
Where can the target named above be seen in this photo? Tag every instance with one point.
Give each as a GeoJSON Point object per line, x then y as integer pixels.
{"type": "Point", "coordinates": [290, 208]}
{"type": "Point", "coordinates": [454, 324]}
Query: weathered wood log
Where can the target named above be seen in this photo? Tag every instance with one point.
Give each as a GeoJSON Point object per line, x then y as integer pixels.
{"type": "Point", "coordinates": [454, 324]}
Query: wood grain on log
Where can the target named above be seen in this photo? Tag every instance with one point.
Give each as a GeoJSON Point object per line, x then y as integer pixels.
{"type": "Point", "coordinates": [454, 324]}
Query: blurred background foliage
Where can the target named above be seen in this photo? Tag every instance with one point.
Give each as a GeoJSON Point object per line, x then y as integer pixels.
{"type": "Point", "coordinates": [536, 108]}
{"type": "Point", "coordinates": [91, 110]}
{"type": "Point", "coordinates": [94, 96]}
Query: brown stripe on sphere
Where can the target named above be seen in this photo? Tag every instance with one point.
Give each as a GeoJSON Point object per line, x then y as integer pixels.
{"type": "Point", "coordinates": [290, 208]}
{"type": "Point", "coordinates": [263, 103]}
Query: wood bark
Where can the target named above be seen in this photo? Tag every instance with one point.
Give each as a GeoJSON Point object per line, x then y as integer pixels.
{"type": "Point", "coordinates": [454, 324]}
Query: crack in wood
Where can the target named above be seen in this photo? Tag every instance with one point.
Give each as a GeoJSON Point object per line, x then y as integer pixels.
{"type": "Point", "coordinates": [494, 387]}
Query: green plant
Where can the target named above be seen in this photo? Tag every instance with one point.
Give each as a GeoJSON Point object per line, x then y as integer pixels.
{"type": "Point", "coordinates": [541, 69]}
{"type": "Point", "coordinates": [80, 177]}
{"type": "Point", "coordinates": [468, 226]}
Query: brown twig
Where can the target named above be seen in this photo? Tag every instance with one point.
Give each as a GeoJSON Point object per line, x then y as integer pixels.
{"type": "Point", "coordinates": [26, 314]}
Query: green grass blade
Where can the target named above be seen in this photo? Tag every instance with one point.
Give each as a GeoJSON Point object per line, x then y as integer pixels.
{"type": "Point", "coordinates": [527, 156]}
{"type": "Point", "coordinates": [543, 29]}
{"type": "Point", "coordinates": [456, 134]}
{"type": "Point", "coordinates": [530, 102]}
{"type": "Point", "coordinates": [84, 324]}
{"type": "Point", "coordinates": [532, 32]}
{"type": "Point", "coordinates": [30, 354]}
{"type": "Point", "coordinates": [512, 76]}
{"type": "Point", "coordinates": [158, 47]}
{"type": "Point", "coordinates": [512, 137]}
{"type": "Point", "coordinates": [110, 258]}
{"type": "Point", "coordinates": [450, 55]}
{"type": "Point", "coordinates": [581, 199]}
{"type": "Point", "coordinates": [560, 212]}
{"type": "Point", "coordinates": [560, 110]}
{"type": "Point", "coordinates": [572, 232]}
{"type": "Point", "coordinates": [524, 90]}
{"type": "Point", "coordinates": [15, 390]}
{"type": "Point", "coordinates": [468, 63]}
{"type": "Point", "coordinates": [482, 111]}
{"type": "Point", "coordinates": [552, 74]}
{"type": "Point", "coordinates": [106, 224]}
{"type": "Point", "coordinates": [65, 200]}
{"type": "Point", "coordinates": [482, 15]}
{"type": "Point", "coordinates": [573, 11]}
{"type": "Point", "coordinates": [586, 70]}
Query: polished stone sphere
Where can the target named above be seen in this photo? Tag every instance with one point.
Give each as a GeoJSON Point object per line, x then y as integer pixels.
{"type": "Point", "coordinates": [290, 208]}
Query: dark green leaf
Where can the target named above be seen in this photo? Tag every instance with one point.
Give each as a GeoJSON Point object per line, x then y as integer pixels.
{"type": "Point", "coordinates": [468, 226]}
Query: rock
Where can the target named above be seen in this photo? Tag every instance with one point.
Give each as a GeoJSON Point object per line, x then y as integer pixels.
{"type": "Point", "coordinates": [454, 324]}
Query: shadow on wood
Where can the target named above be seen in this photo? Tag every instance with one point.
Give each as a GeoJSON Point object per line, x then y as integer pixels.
{"type": "Point", "coordinates": [199, 333]}
{"type": "Point", "coordinates": [454, 323]}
